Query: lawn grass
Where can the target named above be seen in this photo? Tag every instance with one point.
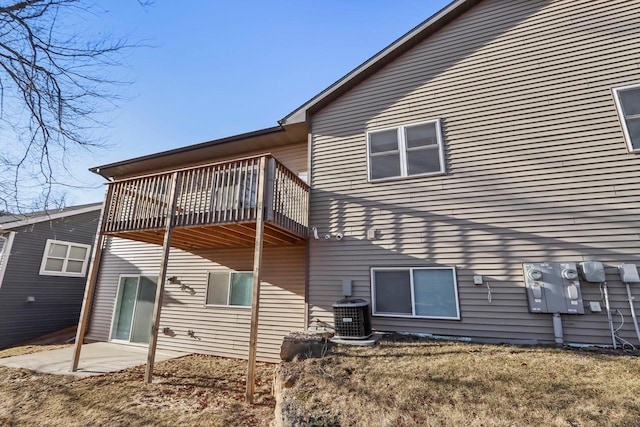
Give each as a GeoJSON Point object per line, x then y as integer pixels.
{"type": "Point", "coordinates": [428, 383]}
{"type": "Point", "coordinates": [190, 391]}
{"type": "Point", "coordinates": [400, 382]}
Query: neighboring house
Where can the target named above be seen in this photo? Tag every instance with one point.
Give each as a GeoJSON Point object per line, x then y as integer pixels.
{"type": "Point", "coordinates": [495, 133]}
{"type": "Point", "coordinates": [43, 263]}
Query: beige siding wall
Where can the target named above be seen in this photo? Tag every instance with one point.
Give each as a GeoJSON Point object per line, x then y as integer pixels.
{"type": "Point", "coordinates": [294, 156]}
{"type": "Point", "coordinates": [221, 331]}
{"type": "Point", "coordinates": [537, 168]}
{"type": "Point", "coordinates": [218, 331]}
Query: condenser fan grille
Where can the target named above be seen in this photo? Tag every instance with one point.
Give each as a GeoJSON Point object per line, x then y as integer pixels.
{"type": "Point", "coordinates": [352, 319]}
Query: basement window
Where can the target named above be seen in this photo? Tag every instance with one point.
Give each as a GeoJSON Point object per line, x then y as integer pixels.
{"type": "Point", "coordinates": [229, 288]}
{"type": "Point", "coordinates": [64, 259]}
{"type": "Point", "coordinates": [422, 292]}
{"type": "Point", "coordinates": [628, 105]}
{"type": "Point", "coordinates": [405, 151]}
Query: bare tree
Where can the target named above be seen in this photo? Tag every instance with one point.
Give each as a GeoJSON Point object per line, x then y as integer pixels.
{"type": "Point", "coordinates": [55, 81]}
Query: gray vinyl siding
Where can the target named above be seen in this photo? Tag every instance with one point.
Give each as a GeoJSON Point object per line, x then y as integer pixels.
{"type": "Point", "coordinates": [537, 167]}
{"type": "Point", "coordinates": [221, 331]}
{"type": "Point", "coordinates": [57, 298]}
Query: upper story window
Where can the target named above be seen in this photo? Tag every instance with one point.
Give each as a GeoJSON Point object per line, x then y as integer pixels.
{"type": "Point", "coordinates": [230, 288]}
{"type": "Point", "coordinates": [628, 104]}
{"type": "Point", "coordinates": [64, 259]}
{"type": "Point", "coordinates": [405, 151]}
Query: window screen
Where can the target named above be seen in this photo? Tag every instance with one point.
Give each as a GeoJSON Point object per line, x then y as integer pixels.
{"type": "Point", "coordinates": [230, 288]}
{"type": "Point", "coordinates": [415, 292]}
{"type": "Point", "coordinates": [435, 293]}
{"type": "Point", "coordinates": [218, 288]}
{"type": "Point", "coordinates": [393, 291]}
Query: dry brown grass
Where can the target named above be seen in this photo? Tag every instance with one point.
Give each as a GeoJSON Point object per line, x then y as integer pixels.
{"type": "Point", "coordinates": [427, 383]}
{"type": "Point", "coordinates": [190, 391]}
{"type": "Point", "coordinates": [28, 349]}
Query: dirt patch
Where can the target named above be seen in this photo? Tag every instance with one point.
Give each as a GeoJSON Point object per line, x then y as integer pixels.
{"type": "Point", "coordinates": [193, 390]}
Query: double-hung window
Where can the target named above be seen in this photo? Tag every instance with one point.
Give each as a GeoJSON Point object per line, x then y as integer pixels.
{"type": "Point", "coordinates": [628, 104]}
{"type": "Point", "coordinates": [424, 292]}
{"type": "Point", "coordinates": [64, 259]}
{"type": "Point", "coordinates": [229, 288]}
{"type": "Point", "coordinates": [405, 151]}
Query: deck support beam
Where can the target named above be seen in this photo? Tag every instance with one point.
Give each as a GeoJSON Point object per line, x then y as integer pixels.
{"type": "Point", "coordinates": [162, 277]}
{"type": "Point", "coordinates": [89, 288]}
{"type": "Point", "coordinates": [257, 266]}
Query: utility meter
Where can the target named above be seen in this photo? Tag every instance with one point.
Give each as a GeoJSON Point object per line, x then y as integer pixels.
{"type": "Point", "coordinates": [570, 274]}
{"type": "Point", "coordinates": [628, 273]}
{"type": "Point", "coordinates": [593, 271]}
{"type": "Point", "coordinates": [553, 288]}
{"type": "Point", "coordinates": [535, 274]}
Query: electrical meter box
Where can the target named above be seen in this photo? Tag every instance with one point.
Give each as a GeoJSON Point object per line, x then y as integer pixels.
{"type": "Point", "coordinates": [629, 273]}
{"type": "Point", "coordinates": [553, 288]}
{"type": "Point", "coordinates": [592, 271]}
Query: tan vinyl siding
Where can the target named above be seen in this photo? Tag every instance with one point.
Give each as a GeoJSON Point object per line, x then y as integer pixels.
{"type": "Point", "coordinates": [222, 331]}
{"type": "Point", "coordinates": [537, 167]}
{"type": "Point", "coordinates": [294, 156]}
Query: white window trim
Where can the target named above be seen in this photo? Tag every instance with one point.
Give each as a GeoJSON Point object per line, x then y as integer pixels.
{"type": "Point", "coordinates": [6, 252]}
{"type": "Point", "coordinates": [402, 146]}
{"type": "Point", "coordinates": [85, 262]}
{"type": "Point", "coordinates": [227, 305]}
{"type": "Point", "coordinates": [623, 122]}
{"type": "Point", "coordinates": [135, 303]}
{"type": "Point", "coordinates": [413, 302]}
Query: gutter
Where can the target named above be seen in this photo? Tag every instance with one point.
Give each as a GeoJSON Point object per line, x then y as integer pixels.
{"type": "Point", "coordinates": [261, 132]}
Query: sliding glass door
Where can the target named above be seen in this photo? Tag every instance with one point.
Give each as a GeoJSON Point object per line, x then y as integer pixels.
{"type": "Point", "coordinates": [134, 309]}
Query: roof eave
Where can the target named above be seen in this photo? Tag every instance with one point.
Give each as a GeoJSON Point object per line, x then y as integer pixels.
{"type": "Point", "coordinates": [49, 217]}
{"type": "Point", "coordinates": [99, 169]}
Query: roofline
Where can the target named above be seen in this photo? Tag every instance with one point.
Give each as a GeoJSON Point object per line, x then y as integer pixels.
{"type": "Point", "coordinates": [377, 61]}
{"type": "Point", "coordinates": [49, 217]}
{"type": "Point", "coordinates": [179, 150]}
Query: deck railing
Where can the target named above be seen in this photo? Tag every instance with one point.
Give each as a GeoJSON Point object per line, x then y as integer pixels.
{"type": "Point", "coordinates": [207, 195]}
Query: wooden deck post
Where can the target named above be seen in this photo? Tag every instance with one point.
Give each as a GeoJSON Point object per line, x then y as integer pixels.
{"type": "Point", "coordinates": [162, 277]}
{"type": "Point", "coordinates": [90, 286]}
{"type": "Point", "coordinates": [257, 263]}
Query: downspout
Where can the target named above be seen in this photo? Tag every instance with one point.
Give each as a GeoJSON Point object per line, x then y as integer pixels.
{"type": "Point", "coordinates": [307, 306]}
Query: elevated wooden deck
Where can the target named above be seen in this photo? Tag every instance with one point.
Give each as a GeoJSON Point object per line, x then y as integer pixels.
{"type": "Point", "coordinates": [215, 205]}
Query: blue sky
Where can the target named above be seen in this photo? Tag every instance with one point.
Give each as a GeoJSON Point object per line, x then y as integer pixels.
{"type": "Point", "coordinates": [221, 68]}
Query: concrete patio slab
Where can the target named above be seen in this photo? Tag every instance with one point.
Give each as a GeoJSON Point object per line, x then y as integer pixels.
{"type": "Point", "coordinates": [95, 359]}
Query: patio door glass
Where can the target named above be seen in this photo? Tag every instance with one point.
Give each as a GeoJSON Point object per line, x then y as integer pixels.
{"type": "Point", "coordinates": [134, 309]}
